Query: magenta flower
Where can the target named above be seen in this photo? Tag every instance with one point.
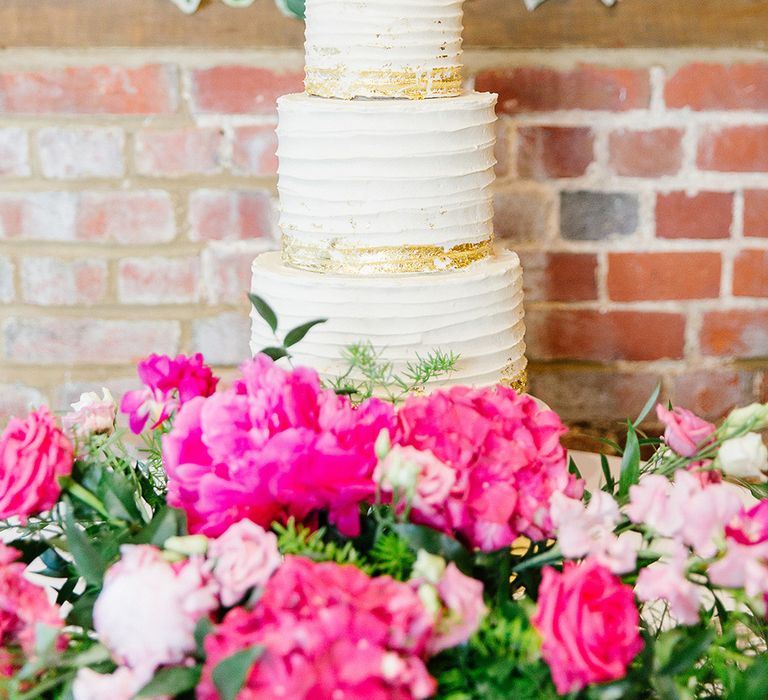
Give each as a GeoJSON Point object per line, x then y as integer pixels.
{"type": "Point", "coordinates": [169, 384]}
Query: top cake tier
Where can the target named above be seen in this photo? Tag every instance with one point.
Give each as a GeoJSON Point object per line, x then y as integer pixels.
{"type": "Point", "coordinates": [383, 48]}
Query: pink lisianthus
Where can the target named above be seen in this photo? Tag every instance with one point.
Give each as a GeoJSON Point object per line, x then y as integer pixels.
{"type": "Point", "coordinates": [23, 605]}
{"type": "Point", "coordinates": [684, 432]}
{"type": "Point", "coordinates": [327, 630]}
{"type": "Point", "coordinates": [274, 445]}
{"type": "Point", "coordinates": [589, 625]}
{"type": "Point", "coordinates": [245, 556]}
{"type": "Point", "coordinates": [147, 610]}
{"type": "Point", "coordinates": [91, 415]}
{"type": "Point", "coordinates": [34, 454]}
{"type": "Point", "coordinates": [122, 684]}
{"type": "Point", "coordinates": [507, 458]}
{"type": "Point", "coordinates": [168, 384]}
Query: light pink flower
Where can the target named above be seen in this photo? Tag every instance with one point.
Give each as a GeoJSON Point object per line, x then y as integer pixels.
{"type": "Point", "coordinates": [169, 384]}
{"type": "Point", "coordinates": [245, 556]}
{"type": "Point", "coordinates": [34, 454]}
{"type": "Point", "coordinates": [147, 610]}
{"type": "Point", "coordinates": [588, 623]}
{"type": "Point", "coordinates": [649, 504]}
{"type": "Point", "coordinates": [507, 458]}
{"type": "Point", "coordinates": [463, 613]}
{"type": "Point", "coordinates": [685, 432]}
{"type": "Point", "coordinates": [665, 580]}
{"type": "Point", "coordinates": [121, 684]}
{"type": "Point", "coordinates": [91, 415]}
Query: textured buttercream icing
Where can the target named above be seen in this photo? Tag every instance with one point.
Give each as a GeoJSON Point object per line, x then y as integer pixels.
{"type": "Point", "coordinates": [476, 313]}
{"type": "Point", "coordinates": [386, 185]}
{"type": "Point", "coordinates": [383, 48]}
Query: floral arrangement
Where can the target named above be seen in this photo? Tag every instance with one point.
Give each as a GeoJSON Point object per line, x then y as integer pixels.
{"type": "Point", "coordinates": [277, 538]}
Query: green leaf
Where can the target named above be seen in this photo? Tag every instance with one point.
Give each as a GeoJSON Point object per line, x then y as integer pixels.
{"type": "Point", "coordinates": [87, 558]}
{"type": "Point", "coordinates": [686, 652]}
{"type": "Point", "coordinates": [118, 493]}
{"type": "Point", "coordinates": [230, 675]}
{"type": "Point", "coordinates": [573, 469]}
{"type": "Point", "coordinates": [274, 352]}
{"type": "Point", "coordinates": [419, 537]}
{"type": "Point", "coordinates": [171, 681]}
{"type": "Point", "coordinates": [264, 310]}
{"type": "Point", "coordinates": [65, 592]}
{"type": "Point", "coordinates": [81, 614]}
{"type": "Point", "coordinates": [630, 463]}
{"type": "Point", "coordinates": [649, 405]}
{"type": "Point", "coordinates": [754, 682]}
{"type": "Point", "coordinates": [297, 334]}
{"type": "Point", "coordinates": [202, 629]}
{"type": "Point", "coordinates": [610, 482]}
{"type": "Point", "coordinates": [166, 523]}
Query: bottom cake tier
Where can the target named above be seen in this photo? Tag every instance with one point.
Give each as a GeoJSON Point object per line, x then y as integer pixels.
{"type": "Point", "coordinates": [476, 313]}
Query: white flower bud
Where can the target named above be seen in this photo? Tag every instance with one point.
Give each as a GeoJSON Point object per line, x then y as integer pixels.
{"type": "Point", "coordinates": [383, 444]}
{"type": "Point", "coordinates": [430, 567]}
{"type": "Point", "coordinates": [744, 457]}
{"type": "Point", "coordinates": [754, 417]}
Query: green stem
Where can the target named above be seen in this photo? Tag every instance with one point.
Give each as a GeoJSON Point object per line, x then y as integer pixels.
{"type": "Point", "coordinates": [84, 495]}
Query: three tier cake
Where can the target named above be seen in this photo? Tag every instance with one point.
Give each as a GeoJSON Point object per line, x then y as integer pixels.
{"type": "Point", "coordinates": [386, 168]}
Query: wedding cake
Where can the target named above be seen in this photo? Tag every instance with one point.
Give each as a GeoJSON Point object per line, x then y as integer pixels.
{"type": "Point", "coordinates": [386, 168]}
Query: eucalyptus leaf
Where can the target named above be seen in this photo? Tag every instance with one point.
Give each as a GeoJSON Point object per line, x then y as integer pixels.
{"type": "Point", "coordinates": [630, 463]}
{"type": "Point", "coordinates": [87, 558]}
{"type": "Point", "coordinates": [230, 675]}
{"type": "Point", "coordinates": [264, 310]}
{"type": "Point", "coordinates": [171, 681]}
{"type": "Point", "coordinates": [297, 334]}
{"type": "Point", "coordinates": [166, 523]}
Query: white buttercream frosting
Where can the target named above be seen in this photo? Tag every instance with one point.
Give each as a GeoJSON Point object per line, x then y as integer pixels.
{"type": "Point", "coordinates": [386, 173]}
{"type": "Point", "coordinates": [370, 48]}
{"type": "Point", "coordinates": [476, 312]}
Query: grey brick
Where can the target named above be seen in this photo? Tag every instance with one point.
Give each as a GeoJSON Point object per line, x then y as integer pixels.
{"type": "Point", "coordinates": [594, 216]}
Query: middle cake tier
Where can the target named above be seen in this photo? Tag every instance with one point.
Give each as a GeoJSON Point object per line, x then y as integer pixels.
{"type": "Point", "coordinates": [383, 186]}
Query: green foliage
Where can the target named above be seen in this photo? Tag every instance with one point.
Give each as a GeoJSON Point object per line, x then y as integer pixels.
{"type": "Point", "coordinates": [391, 556]}
{"type": "Point", "coordinates": [298, 540]}
{"type": "Point", "coordinates": [229, 675]}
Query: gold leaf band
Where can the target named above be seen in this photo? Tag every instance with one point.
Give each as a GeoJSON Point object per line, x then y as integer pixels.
{"type": "Point", "coordinates": [518, 381]}
{"type": "Point", "coordinates": [382, 260]}
{"type": "Point", "coordinates": [409, 84]}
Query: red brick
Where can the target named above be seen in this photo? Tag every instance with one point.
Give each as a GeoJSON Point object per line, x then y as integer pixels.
{"type": "Point", "coordinates": [84, 152]}
{"type": "Point", "coordinates": [702, 215]}
{"type": "Point", "coordinates": [48, 281]}
{"type": "Point", "coordinates": [7, 293]}
{"type": "Point", "coordinates": [540, 89]}
{"type": "Point", "coordinates": [157, 280]}
{"type": "Point", "coordinates": [712, 393]}
{"type": "Point", "coordinates": [255, 151]}
{"type": "Point", "coordinates": [706, 86]}
{"type": "Point", "coordinates": [241, 89]}
{"type": "Point", "coordinates": [14, 156]}
{"type": "Point", "coordinates": [646, 153]}
{"type": "Point", "coordinates": [739, 333]}
{"type": "Point", "coordinates": [660, 276]}
{"type": "Point", "coordinates": [756, 213]}
{"type": "Point", "coordinates": [554, 151]}
{"type": "Point", "coordinates": [750, 274]}
{"type": "Point", "coordinates": [151, 89]}
{"type": "Point", "coordinates": [227, 271]}
{"type": "Point", "coordinates": [559, 276]}
{"type": "Point", "coordinates": [16, 400]}
{"type": "Point", "coordinates": [45, 216]}
{"type": "Point", "coordinates": [582, 334]}
{"type": "Point", "coordinates": [216, 215]}
{"type": "Point", "coordinates": [734, 149]}
{"type": "Point", "coordinates": [177, 152]}
{"type": "Point", "coordinates": [85, 341]}
{"type": "Point", "coordinates": [126, 217]}
{"type": "Point", "coordinates": [524, 214]}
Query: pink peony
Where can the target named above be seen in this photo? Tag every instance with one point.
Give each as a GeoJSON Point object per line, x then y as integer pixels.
{"type": "Point", "coordinates": [507, 458]}
{"type": "Point", "coordinates": [121, 684]}
{"type": "Point", "coordinates": [23, 605]}
{"type": "Point", "coordinates": [91, 415]}
{"type": "Point", "coordinates": [685, 432]}
{"type": "Point", "coordinates": [169, 384]}
{"type": "Point", "coordinates": [666, 580]}
{"type": "Point", "coordinates": [274, 445]}
{"type": "Point", "coordinates": [462, 597]}
{"type": "Point", "coordinates": [34, 454]}
{"type": "Point", "coordinates": [327, 631]}
{"type": "Point", "coordinates": [588, 623]}
{"type": "Point", "coordinates": [147, 610]}
{"type": "Point", "coordinates": [245, 556]}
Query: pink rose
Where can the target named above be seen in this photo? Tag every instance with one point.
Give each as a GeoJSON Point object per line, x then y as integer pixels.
{"type": "Point", "coordinates": [33, 455]}
{"type": "Point", "coordinates": [121, 684]}
{"type": "Point", "coordinates": [464, 610]}
{"type": "Point", "coordinates": [91, 415]}
{"type": "Point", "coordinates": [685, 432]}
{"type": "Point", "coordinates": [589, 625]}
{"type": "Point", "coordinates": [169, 384]}
{"type": "Point", "coordinates": [245, 556]}
{"type": "Point", "coordinates": [147, 610]}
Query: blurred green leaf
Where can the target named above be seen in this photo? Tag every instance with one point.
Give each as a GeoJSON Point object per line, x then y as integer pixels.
{"type": "Point", "coordinates": [630, 463]}
{"type": "Point", "coordinates": [296, 335]}
{"type": "Point", "coordinates": [649, 405]}
{"type": "Point", "coordinates": [420, 537]}
{"type": "Point", "coordinates": [166, 523]}
{"type": "Point", "coordinates": [171, 681]}
{"type": "Point", "coordinates": [274, 352]}
{"type": "Point", "coordinates": [86, 556]}
{"type": "Point", "coordinates": [230, 675]}
{"type": "Point", "coordinates": [264, 310]}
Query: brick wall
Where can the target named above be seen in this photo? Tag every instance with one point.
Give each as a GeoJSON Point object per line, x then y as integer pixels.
{"type": "Point", "coordinates": [136, 186]}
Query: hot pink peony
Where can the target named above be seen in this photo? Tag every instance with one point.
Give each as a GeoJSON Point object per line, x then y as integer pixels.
{"type": "Point", "coordinates": [91, 415]}
{"type": "Point", "coordinates": [169, 384]}
{"type": "Point", "coordinates": [507, 458]}
{"type": "Point", "coordinates": [589, 625]}
{"type": "Point", "coordinates": [274, 445]}
{"type": "Point", "coordinates": [245, 556]}
{"type": "Point", "coordinates": [328, 630]}
{"type": "Point", "coordinates": [33, 455]}
{"type": "Point", "coordinates": [685, 432]}
{"type": "Point", "coordinates": [464, 610]}
{"type": "Point", "coordinates": [147, 610]}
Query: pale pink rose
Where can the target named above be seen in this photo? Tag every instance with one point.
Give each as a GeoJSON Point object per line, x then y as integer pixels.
{"type": "Point", "coordinates": [665, 580]}
{"type": "Point", "coordinates": [685, 432]}
{"type": "Point", "coordinates": [463, 613]}
{"type": "Point", "coordinates": [34, 454]}
{"type": "Point", "coordinates": [121, 684]}
{"type": "Point", "coordinates": [245, 556]}
{"type": "Point", "coordinates": [147, 610]}
{"type": "Point", "coordinates": [588, 623]}
{"type": "Point", "coordinates": [91, 415]}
